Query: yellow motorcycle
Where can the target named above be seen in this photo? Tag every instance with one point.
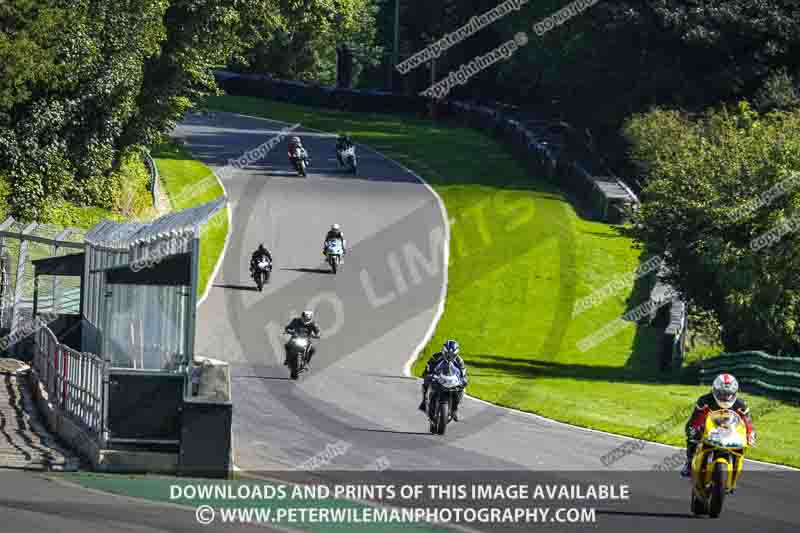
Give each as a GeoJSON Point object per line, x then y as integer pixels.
{"type": "Point", "coordinates": [718, 460]}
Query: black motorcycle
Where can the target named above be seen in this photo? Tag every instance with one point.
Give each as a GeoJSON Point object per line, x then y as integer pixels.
{"type": "Point", "coordinates": [298, 347]}
{"type": "Point", "coordinates": [261, 272]}
{"type": "Point", "coordinates": [446, 384]}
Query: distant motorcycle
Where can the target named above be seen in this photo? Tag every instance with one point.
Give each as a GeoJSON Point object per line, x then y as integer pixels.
{"type": "Point", "coordinates": [297, 352]}
{"type": "Point", "coordinates": [446, 383]}
{"type": "Point", "coordinates": [299, 159]}
{"type": "Point", "coordinates": [261, 272]}
{"type": "Point", "coordinates": [333, 253]}
{"type": "Point", "coordinates": [348, 158]}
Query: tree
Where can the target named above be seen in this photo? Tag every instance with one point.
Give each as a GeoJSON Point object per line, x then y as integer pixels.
{"type": "Point", "coordinates": [303, 39]}
{"type": "Point", "coordinates": [86, 80]}
{"type": "Point", "coordinates": [716, 185]}
{"type": "Point", "coordinates": [60, 127]}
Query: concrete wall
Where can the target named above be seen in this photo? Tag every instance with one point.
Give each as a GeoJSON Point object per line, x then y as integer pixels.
{"type": "Point", "coordinates": [83, 443]}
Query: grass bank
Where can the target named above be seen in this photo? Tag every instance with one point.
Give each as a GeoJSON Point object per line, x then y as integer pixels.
{"type": "Point", "coordinates": [520, 259]}
{"type": "Point", "coordinates": [190, 183]}
{"type": "Point", "coordinates": [132, 200]}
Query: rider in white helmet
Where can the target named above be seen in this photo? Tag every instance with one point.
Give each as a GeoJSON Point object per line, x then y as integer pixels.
{"type": "Point", "coordinates": [304, 322]}
{"type": "Point", "coordinates": [335, 233]}
{"type": "Point", "coordinates": [722, 396]}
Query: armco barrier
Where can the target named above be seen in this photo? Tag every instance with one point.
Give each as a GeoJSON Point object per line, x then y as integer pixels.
{"type": "Point", "coordinates": [155, 185]}
{"type": "Point", "coordinates": [542, 145]}
{"type": "Point", "coordinates": [672, 319]}
{"type": "Point", "coordinates": [760, 371]}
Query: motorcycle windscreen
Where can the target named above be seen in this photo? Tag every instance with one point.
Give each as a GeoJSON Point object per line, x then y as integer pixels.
{"type": "Point", "coordinates": [727, 429]}
{"type": "Point", "coordinates": [334, 247]}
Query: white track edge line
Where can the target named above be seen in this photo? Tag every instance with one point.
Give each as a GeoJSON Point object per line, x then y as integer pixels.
{"type": "Point", "coordinates": [221, 257]}
{"type": "Point", "coordinates": [440, 311]}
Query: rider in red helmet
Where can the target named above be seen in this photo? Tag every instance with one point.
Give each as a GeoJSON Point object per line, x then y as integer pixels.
{"type": "Point", "coordinates": [722, 396]}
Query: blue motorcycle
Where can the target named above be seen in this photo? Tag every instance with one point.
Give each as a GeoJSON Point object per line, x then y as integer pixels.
{"type": "Point", "coordinates": [446, 383]}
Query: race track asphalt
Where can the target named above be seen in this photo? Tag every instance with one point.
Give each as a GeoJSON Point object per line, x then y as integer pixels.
{"type": "Point", "coordinates": [374, 314]}
{"type": "Point", "coordinates": [30, 502]}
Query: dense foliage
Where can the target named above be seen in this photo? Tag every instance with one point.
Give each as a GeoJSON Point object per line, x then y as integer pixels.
{"type": "Point", "coordinates": [83, 82]}
{"type": "Point", "coordinates": [299, 40]}
{"type": "Point", "coordinates": [717, 186]}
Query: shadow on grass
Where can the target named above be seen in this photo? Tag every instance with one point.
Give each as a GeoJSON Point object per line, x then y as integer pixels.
{"type": "Point", "coordinates": [170, 149]}
{"type": "Point", "coordinates": [537, 368]}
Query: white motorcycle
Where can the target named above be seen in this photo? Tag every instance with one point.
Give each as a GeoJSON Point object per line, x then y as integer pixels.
{"type": "Point", "coordinates": [348, 158]}
{"type": "Point", "coordinates": [299, 158]}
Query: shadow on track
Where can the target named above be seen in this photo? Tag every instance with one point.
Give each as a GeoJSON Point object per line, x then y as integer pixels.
{"type": "Point", "coordinates": [237, 287]}
{"type": "Point", "coordinates": [644, 513]}
{"type": "Point", "coordinates": [259, 377]}
{"type": "Point", "coordinates": [310, 270]}
{"type": "Point", "coordinates": [390, 431]}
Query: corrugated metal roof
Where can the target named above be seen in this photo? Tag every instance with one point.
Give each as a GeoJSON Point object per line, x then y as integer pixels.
{"type": "Point", "coordinates": [122, 235]}
{"type": "Point", "coordinates": [611, 187]}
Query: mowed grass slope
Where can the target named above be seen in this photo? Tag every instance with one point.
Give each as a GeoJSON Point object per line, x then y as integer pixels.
{"type": "Point", "coordinates": [520, 258]}
{"type": "Point", "coordinates": [190, 183]}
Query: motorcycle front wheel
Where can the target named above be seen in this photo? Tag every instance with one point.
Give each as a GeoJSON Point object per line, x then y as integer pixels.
{"type": "Point", "coordinates": [719, 483]}
{"type": "Point", "coordinates": [293, 366]}
{"type": "Point", "coordinates": [698, 505]}
{"type": "Point", "coordinates": [442, 418]}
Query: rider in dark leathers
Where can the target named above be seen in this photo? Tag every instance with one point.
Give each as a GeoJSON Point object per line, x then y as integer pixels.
{"type": "Point", "coordinates": [342, 143]}
{"type": "Point", "coordinates": [722, 396]}
{"type": "Point", "coordinates": [260, 251]}
{"type": "Point", "coordinates": [449, 351]}
{"type": "Point", "coordinates": [305, 322]}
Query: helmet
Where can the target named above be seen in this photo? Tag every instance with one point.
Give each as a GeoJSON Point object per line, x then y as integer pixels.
{"type": "Point", "coordinates": [335, 227]}
{"type": "Point", "coordinates": [307, 317]}
{"type": "Point", "coordinates": [450, 349]}
{"type": "Point", "coordinates": [295, 140]}
{"type": "Point", "coordinates": [724, 390]}
{"type": "Point", "coordinates": [261, 246]}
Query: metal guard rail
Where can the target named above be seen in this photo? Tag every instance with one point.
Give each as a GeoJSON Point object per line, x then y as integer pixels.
{"type": "Point", "coordinates": [73, 380]}
{"type": "Point", "coordinates": [152, 168]}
